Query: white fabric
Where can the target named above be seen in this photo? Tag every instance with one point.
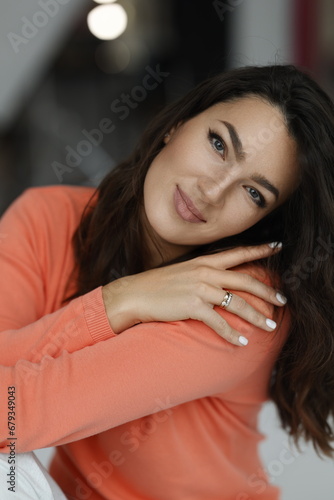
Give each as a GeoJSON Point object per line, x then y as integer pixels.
{"type": "Point", "coordinates": [32, 481]}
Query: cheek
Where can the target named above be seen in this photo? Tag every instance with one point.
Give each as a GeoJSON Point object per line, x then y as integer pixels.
{"type": "Point", "coordinates": [160, 168]}
{"type": "Point", "coordinates": [235, 217]}
{"type": "Point", "coordinates": [154, 180]}
{"type": "Point", "coordinates": [150, 188]}
{"type": "Point", "coordinates": [156, 190]}
{"type": "Point", "coordinates": [185, 153]}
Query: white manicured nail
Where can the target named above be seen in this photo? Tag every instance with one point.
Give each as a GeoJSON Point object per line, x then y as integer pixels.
{"type": "Point", "coordinates": [271, 323]}
{"type": "Point", "coordinates": [243, 340]}
{"type": "Point", "coordinates": [281, 298]}
{"type": "Point", "coordinates": [275, 244]}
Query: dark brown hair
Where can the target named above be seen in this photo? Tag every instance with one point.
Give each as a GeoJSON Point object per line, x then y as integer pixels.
{"type": "Point", "coordinates": [108, 243]}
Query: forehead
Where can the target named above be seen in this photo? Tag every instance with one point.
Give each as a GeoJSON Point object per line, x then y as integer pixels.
{"type": "Point", "coordinates": [245, 110]}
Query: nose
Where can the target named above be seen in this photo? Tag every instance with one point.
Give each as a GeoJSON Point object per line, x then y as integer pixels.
{"type": "Point", "coordinates": [213, 190]}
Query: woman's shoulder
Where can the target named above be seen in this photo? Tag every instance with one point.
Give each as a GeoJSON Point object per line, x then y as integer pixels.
{"type": "Point", "coordinates": [266, 276]}
{"type": "Point", "coordinates": [257, 271]}
{"type": "Point", "coordinates": [48, 212]}
{"type": "Point", "coordinates": [54, 203]}
{"type": "Point", "coordinates": [57, 195]}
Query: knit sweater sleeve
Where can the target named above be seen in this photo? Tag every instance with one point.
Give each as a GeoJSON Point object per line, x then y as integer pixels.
{"type": "Point", "coordinates": [32, 271]}
{"type": "Point", "coordinates": [71, 377]}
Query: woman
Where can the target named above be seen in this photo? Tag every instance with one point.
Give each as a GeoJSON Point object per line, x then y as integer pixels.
{"type": "Point", "coordinates": [143, 409]}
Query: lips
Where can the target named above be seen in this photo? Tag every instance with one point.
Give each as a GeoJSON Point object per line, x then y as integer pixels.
{"type": "Point", "coordinates": [185, 207]}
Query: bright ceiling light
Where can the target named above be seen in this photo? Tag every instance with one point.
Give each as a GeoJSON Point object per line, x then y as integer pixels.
{"type": "Point", "coordinates": [107, 22]}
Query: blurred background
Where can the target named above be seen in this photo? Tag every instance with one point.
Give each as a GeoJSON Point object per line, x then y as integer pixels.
{"type": "Point", "coordinates": [80, 80]}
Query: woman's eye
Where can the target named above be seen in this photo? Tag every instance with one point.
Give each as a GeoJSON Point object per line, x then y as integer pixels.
{"type": "Point", "coordinates": [258, 198]}
{"type": "Point", "coordinates": [217, 143]}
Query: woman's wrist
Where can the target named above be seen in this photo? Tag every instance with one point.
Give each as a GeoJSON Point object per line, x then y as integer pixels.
{"type": "Point", "coordinates": [118, 309]}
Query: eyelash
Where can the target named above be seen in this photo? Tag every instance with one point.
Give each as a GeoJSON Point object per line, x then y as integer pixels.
{"type": "Point", "coordinates": [213, 136]}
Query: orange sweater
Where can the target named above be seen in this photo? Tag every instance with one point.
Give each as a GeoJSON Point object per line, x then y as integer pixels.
{"type": "Point", "coordinates": [162, 411]}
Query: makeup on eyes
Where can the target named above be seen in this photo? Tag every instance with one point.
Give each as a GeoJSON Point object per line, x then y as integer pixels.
{"type": "Point", "coordinates": [212, 135]}
{"type": "Point", "coordinates": [215, 136]}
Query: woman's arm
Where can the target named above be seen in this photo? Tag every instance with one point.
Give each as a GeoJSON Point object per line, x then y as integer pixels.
{"type": "Point", "coordinates": [189, 290]}
{"type": "Point", "coordinates": [61, 378]}
{"type": "Point", "coordinates": [75, 395]}
{"type": "Point", "coordinates": [32, 280]}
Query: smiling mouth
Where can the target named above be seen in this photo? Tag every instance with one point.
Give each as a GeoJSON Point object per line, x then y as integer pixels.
{"type": "Point", "coordinates": [185, 207]}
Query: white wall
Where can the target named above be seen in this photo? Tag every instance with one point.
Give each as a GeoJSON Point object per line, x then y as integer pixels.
{"type": "Point", "coordinates": [262, 32]}
{"type": "Point", "coordinates": [300, 475]}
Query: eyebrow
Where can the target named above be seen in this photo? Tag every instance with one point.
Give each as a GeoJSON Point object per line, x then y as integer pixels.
{"type": "Point", "coordinates": [235, 139]}
{"type": "Point", "coordinates": [263, 181]}
{"type": "Point", "coordinates": [240, 154]}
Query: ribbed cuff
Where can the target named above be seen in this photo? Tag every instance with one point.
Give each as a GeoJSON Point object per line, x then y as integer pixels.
{"type": "Point", "coordinates": [96, 316]}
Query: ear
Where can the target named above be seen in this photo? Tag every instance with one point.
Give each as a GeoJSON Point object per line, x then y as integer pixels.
{"type": "Point", "coordinates": [166, 138]}
{"type": "Point", "coordinates": [169, 135]}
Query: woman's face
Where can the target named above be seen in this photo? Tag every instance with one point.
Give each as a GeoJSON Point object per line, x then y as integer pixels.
{"type": "Point", "coordinates": [218, 174]}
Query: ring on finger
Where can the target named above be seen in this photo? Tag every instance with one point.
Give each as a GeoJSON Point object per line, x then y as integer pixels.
{"type": "Point", "coordinates": [226, 300]}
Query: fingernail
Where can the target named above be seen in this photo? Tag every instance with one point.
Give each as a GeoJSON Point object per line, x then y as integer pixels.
{"type": "Point", "coordinates": [271, 323]}
{"type": "Point", "coordinates": [274, 244]}
{"type": "Point", "coordinates": [243, 340]}
{"type": "Point", "coordinates": [281, 298]}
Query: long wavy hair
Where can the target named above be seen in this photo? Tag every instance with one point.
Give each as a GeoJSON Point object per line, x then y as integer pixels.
{"type": "Point", "coordinates": [108, 243]}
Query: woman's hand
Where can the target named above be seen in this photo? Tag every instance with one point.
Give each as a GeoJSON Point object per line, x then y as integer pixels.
{"type": "Point", "coordinates": [190, 290]}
